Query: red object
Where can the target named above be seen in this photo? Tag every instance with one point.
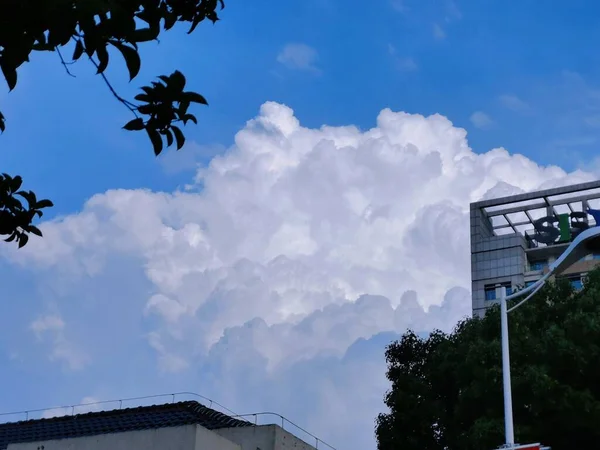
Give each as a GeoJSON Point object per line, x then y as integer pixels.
{"type": "Point", "coordinates": [527, 447]}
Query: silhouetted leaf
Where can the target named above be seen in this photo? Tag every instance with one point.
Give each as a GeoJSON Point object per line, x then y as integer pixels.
{"type": "Point", "coordinates": [135, 124]}
{"type": "Point", "coordinates": [10, 75]}
{"type": "Point", "coordinates": [188, 117]}
{"type": "Point", "coordinates": [195, 98]}
{"type": "Point", "coordinates": [183, 107]}
{"type": "Point", "coordinates": [179, 137]}
{"type": "Point", "coordinates": [23, 238]}
{"type": "Point", "coordinates": [197, 19]}
{"type": "Point", "coordinates": [170, 20]}
{"type": "Point", "coordinates": [34, 230]}
{"type": "Point", "coordinates": [177, 81]}
{"type": "Point", "coordinates": [142, 98]}
{"type": "Point", "coordinates": [78, 50]}
{"type": "Point", "coordinates": [169, 136]}
{"type": "Point", "coordinates": [44, 204]}
{"type": "Point", "coordinates": [16, 183]}
{"type": "Point", "coordinates": [102, 58]}
{"type": "Point", "coordinates": [132, 58]}
{"type": "Point", "coordinates": [145, 109]}
{"type": "Point", "coordinates": [144, 35]}
{"type": "Point", "coordinates": [29, 196]}
{"type": "Point", "coordinates": [156, 140]}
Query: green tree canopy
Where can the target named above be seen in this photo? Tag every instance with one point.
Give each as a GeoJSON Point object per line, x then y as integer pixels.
{"type": "Point", "coordinates": [446, 390]}
{"type": "Point", "coordinates": [94, 30]}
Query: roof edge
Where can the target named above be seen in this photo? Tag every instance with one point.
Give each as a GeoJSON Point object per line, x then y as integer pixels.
{"type": "Point", "coordinates": [535, 194]}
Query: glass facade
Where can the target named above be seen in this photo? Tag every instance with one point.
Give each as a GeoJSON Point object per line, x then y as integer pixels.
{"type": "Point", "coordinates": [577, 283]}
{"type": "Point", "coordinates": [490, 292]}
{"type": "Point", "coordinates": [538, 265]}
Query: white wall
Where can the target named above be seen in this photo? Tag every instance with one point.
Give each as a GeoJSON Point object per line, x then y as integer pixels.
{"type": "Point", "coordinates": [264, 437]}
{"type": "Point", "coordinates": [286, 441]}
{"type": "Point", "coordinates": [189, 437]}
{"type": "Point", "coordinates": [210, 440]}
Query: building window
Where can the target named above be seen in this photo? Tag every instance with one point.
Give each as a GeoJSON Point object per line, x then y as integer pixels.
{"type": "Point", "coordinates": [490, 292]}
{"type": "Point", "coordinates": [538, 265]}
{"type": "Point", "coordinates": [529, 283]}
{"type": "Point", "coordinates": [576, 283]}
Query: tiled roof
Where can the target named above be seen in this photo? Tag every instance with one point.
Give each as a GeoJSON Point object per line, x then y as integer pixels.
{"type": "Point", "coordinates": [115, 421]}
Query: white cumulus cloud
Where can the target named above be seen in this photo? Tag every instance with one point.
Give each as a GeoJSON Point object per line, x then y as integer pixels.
{"type": "Point", "coordinates": [281, 279]}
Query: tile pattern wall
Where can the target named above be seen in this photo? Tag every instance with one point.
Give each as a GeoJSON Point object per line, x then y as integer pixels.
{"type": "Point", "coordinates": [494, 259]}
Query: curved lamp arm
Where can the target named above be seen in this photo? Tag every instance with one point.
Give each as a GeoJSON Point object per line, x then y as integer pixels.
{"type": "Point", "coordinates": [574, 252]}
{"type": "Point", "coordinates": [526, 298]}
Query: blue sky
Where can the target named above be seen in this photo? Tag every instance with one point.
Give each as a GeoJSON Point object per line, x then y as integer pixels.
{"type": "Point", "coordinates": [64, 134]}
{"type": "Point", "coordinates": [518, 75]}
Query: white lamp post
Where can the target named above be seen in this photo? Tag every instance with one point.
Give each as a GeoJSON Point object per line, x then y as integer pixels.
{"type": "Point", "coordinates": [582, 245]}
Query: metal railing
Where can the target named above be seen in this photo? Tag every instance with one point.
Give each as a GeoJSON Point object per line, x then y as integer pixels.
{"type": "Point", "coordinates": [133, 402]}
{"type": "Point", "coordinates": [283, 422]}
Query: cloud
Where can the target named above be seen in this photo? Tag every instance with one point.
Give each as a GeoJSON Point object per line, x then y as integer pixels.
{"type": "Point", "coordinates": [403, 64]}
{"type": "Point", "coordinates": [452, 11]}
{"type": "Point", "coordinates": [167, 361]}
{"type": "Point", "coordinates": [406, 64]}
{"type": "Point", "coordinates": [438, 32]}
{"type": "Point", "coordinates": [189, 158]}
{"type": "Point", "coordinates": [278, 281]}
{"type": "Point", "coordinates": [299, 57]}
{"type": "Point", "coordinates": [87, 404]}
{"type": "Point", "coordinates": [513, 103]}
{"type": "Point", "coordinates": [399, 6]}
{"type": "Point", "coordinates": [592, 121]}
{"type": "Point", "coordinates": [51, 322]}
{"type": "Point", "coordinates": [53, 326]}
{"type": "Point", "coordinates": [481, 120]}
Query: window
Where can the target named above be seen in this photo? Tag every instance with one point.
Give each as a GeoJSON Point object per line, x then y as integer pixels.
{"type": "Point", "coordinates": [529, 283]}
{"type": "Point", "coordinates": [490, 291]}
{"type": "Point", "coordinates": [576, 283]}
{"type": "Point", "coordinates": [538, 265]}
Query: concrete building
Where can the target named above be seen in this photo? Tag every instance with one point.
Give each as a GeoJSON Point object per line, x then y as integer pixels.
{"type": "Point", "coordinates": [175, 426]}
{"type": "Point", "coordinates": [513, 239]}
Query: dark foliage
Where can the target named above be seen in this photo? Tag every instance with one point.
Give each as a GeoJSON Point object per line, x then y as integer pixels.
{"type": "Point", "coordinates": [91, 28]}
{"type": "Point", "coordinates": [446, 390]}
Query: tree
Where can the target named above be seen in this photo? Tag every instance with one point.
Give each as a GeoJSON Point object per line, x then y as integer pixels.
{"type": "Point", "coordinates": [446, 389]}
{"type": "Point", "coordinates": [90, 29]}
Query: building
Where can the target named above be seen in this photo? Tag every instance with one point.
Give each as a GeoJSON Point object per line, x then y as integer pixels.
{"type": "Point", "coordinates": [185, 425]}
{"type": "Point", "coordinates": [514, 239]}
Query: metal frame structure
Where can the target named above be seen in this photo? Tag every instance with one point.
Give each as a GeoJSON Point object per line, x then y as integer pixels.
{"type": "Point", "coordinates": [531, 206]}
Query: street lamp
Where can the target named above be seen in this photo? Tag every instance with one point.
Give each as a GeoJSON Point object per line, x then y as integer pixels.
{"type": "Point", "coordinates": [583, 244]}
